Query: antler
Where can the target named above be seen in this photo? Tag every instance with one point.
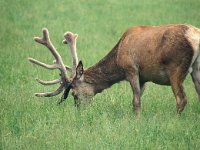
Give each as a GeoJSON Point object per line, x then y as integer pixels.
{"type": "Point", "coordinates": [58, 64]}
{"type": "Point", "coordinates": [70, 38]}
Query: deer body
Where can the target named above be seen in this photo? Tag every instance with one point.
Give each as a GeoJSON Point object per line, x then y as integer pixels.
{"type": "Point", "coordinates": [156, 52]}
{"type": "Point", "coordinates": [161, 54]}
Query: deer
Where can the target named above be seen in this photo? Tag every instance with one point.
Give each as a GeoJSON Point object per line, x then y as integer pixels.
{"type": "Point", "coordinates": [162, 54]}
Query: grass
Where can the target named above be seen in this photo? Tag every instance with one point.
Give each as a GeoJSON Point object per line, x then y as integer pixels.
{"type": "Point", "coordinates": [28, 122]}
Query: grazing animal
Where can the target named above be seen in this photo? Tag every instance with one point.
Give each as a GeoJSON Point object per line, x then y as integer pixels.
{"type": "Point", "coordinates": [161, 54]}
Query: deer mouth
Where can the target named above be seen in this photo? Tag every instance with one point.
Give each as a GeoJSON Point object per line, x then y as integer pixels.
{"type": "Point", "coordinates": [76, 101]}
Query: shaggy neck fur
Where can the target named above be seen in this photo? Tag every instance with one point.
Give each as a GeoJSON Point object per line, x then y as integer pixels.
{"type": "Point", "coordinates": [105, 73]}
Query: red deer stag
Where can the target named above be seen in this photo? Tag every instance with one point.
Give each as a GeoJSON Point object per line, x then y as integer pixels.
{"type": "Point", "coordinates": [162, 54]}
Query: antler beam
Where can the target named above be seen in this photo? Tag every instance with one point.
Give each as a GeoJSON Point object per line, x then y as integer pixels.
{"type": "Point", "coordinates": [49, 82]}
{"type": "Point", "coordinates": [70, 38]}
{"type": "Point", "coordinates": [49, 94]}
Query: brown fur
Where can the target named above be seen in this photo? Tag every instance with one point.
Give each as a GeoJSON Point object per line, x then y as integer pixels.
{"type": "Point", "coordinates": [161, 54]}
{"type": "Point", "coordinates": [105, 73]}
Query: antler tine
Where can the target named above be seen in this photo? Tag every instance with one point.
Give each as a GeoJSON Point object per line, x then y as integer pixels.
{"type": "Point", "coordinates": [34, 61]}
{"type": "Point", "coordinates": [49, 82]}
{"type": "Point", "coordinates": [70, 38]}
{"type": "Point", "coordinates": [49, 94]}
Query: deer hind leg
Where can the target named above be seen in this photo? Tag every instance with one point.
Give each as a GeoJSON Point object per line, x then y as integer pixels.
{"type": "Point", "coordinates": [178, 90]}
{"type": "Point", "coordinates": [133, 78]}
{"type": "Point", "coordinates": [196, 75]}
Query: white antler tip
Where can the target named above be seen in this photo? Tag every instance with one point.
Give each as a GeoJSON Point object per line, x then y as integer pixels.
{"type": "Point", "coordinates": [30, 59]}
{"type": "Point", "coordinates": [37, 94]}
{"type": "Point", "coordinates": [64, 41]}
{"type": "Point", "coordinates": [70, 34]}
{"type": "Point", "coordinates": [38, 39]}
{"type": "Point", "coordinates": [45, 33]}
{"type": "Point", "coordinates": [69, 37]}
{"type": "Point", "coordinates": [76, 36]}
{"type": "Point", "coordinates": [44, 29]}
{"type": "Point", "coordinates": [67, 33]}
{"type": "Point", "coordinates": [35, 38]}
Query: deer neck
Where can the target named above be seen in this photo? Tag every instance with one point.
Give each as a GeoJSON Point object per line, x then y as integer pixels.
{"type": "Point", "coordinates": [104, 73]}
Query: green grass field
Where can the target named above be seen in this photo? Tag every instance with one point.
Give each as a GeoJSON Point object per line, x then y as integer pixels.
{"type": "Point", "coordinates": [28, 122]}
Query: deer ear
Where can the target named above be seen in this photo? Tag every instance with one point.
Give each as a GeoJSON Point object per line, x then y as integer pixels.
{"type": "Point", "coordinates": [79, 70]}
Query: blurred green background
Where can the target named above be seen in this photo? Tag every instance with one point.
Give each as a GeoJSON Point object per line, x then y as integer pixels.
{"type": "Point", "coordinates": [29, 122]}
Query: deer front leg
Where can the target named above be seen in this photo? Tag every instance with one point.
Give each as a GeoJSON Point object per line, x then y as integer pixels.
{"type": "Point", "coordinates": [135, 85]}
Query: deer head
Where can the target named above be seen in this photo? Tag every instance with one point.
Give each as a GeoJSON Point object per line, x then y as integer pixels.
{"type": "Point", "coordinates": [75, 82]}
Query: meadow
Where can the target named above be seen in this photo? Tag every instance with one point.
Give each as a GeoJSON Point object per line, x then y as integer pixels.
{"type": "Point", "coordinates": [29, 122]}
